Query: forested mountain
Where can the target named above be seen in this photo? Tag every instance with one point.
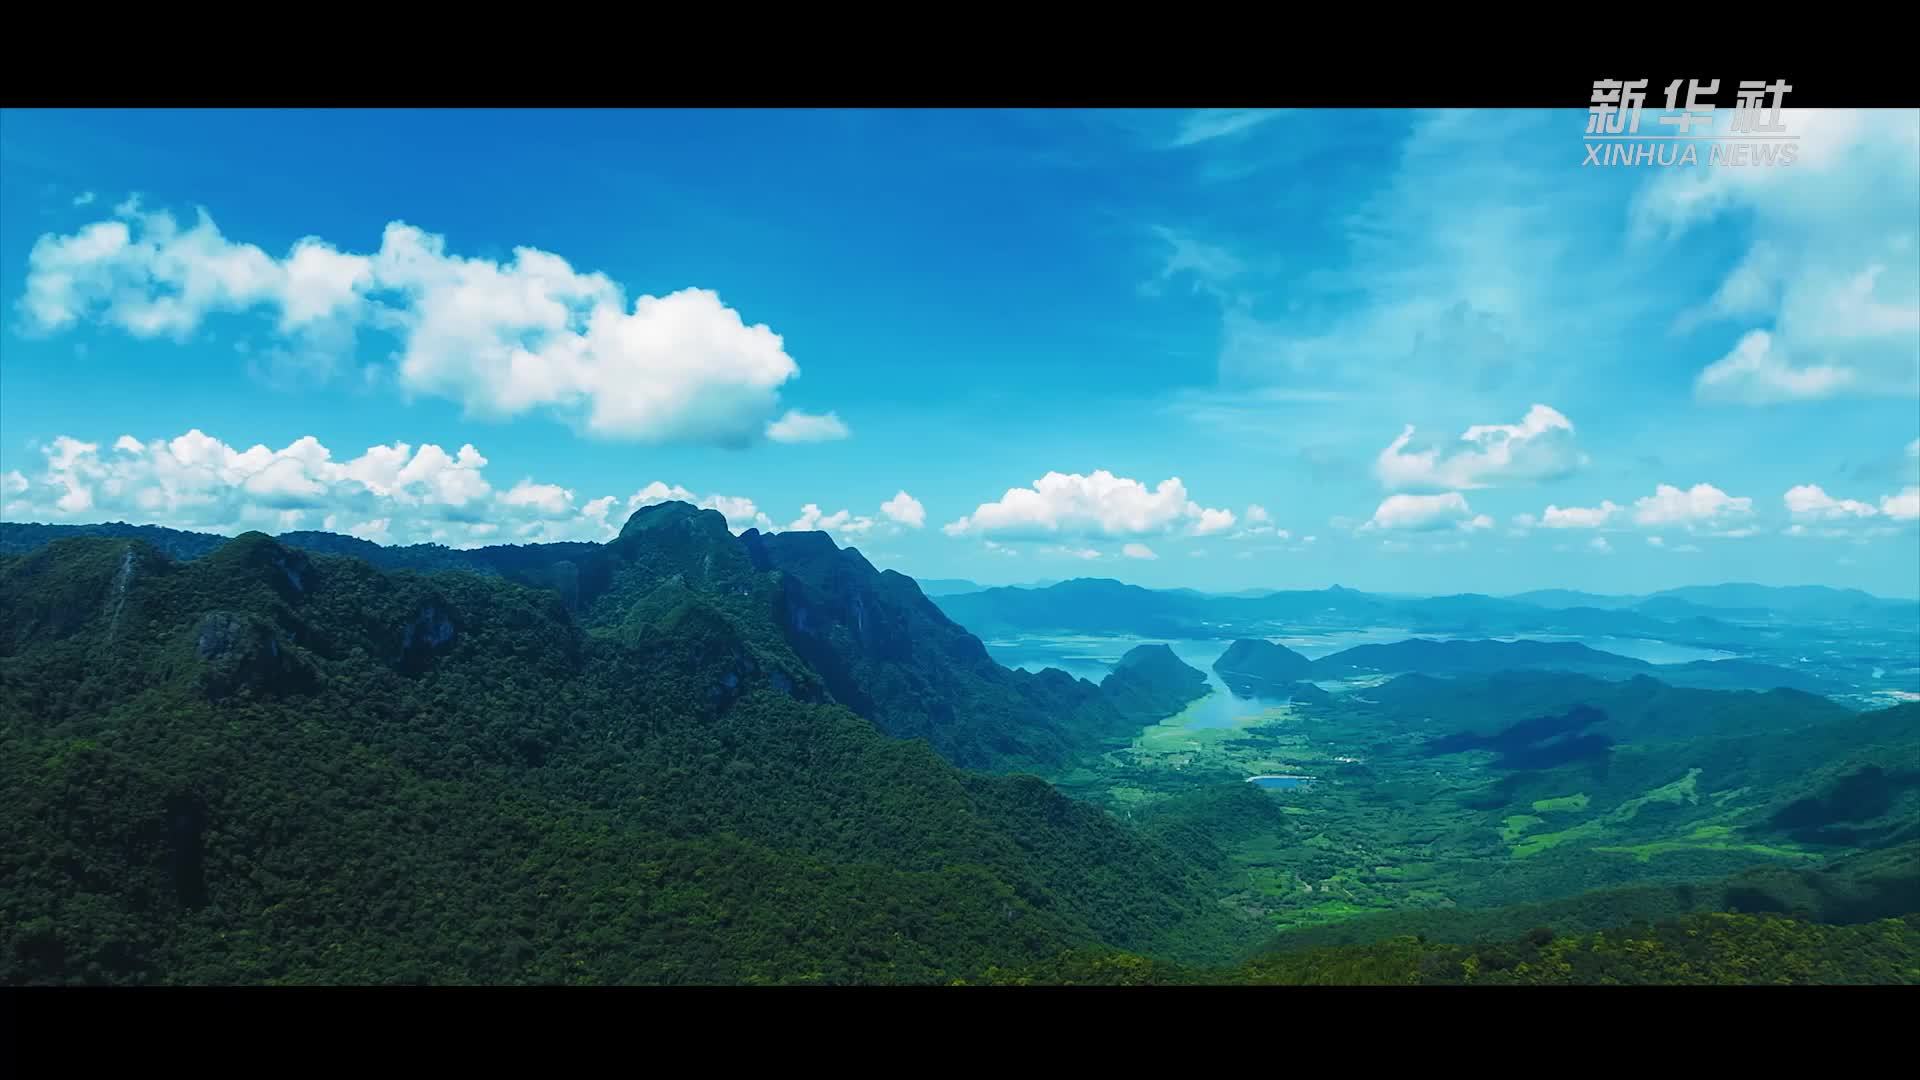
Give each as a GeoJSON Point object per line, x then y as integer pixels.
{"type": "Point", "coordinates": [1710, 949]}
{"type": "Point", "coordinates": [686, 756]}
{"type": "Point", "coordinates": [1150, 682]}
{"type": "Point", "coordinates": [266, 765]}
{"type": "Point", "coordinates": [1852, 922]}
{"type": "Point", "coordinates": [884, 649]}
{"type": "Point", "coordinates": [1254, 664]}
{"type": "Point", "coordinates": [891, 655]}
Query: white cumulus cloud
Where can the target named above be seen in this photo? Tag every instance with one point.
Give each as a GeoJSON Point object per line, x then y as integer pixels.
{"type": "Point", "coordinates": [1425, 513]}
{"type": "Point", "coordinates": [842, 522]}
{"type": "Point", "coordinates": [394, 493]}
{"type": "Point", "coordinates": [906, 510]}
{"type": "Point", "coordinates": [548, 499]}
{"type": "Point", "coordinates": [1578, 517]}
{"type": "Point", "coordinates": [1138, 551]}
{"type": "Point", "coordinates": [1700, 507]}
{"type": "Point", "coordinates": [501, 338]}
{"type": "Point", "coordinates": [1100, 504]}
{"type": "Point", "coordinates": [1808, 502]}
{"type": "Point", "coordinates": [1539, 447]}
{"type": "Point", "coordinates": [1902, 507]}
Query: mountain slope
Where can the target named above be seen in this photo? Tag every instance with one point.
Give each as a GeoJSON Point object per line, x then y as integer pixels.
{"type": "Point", "coordinates": [891, 655]}
{"type": "Point", "coordinates": [881, 646]}
{"type": "Point", "coordinates": [1254, 665]}
{"type": "Point", "coordinates": [1150, 681]}
{"type": "Point", "coordinates": [265, 765]}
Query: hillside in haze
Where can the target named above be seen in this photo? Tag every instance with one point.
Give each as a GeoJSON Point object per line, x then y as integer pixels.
{"type": "Point", "coordinates": [1459, 657]}
{"type": "Point", "coordinates": [1709, 615]}
{"type": "Point", "coordinates": [1251, 664]}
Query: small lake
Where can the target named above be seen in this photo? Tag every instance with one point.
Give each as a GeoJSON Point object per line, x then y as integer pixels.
{"type": "Point", "coordinates": [1279, 783]}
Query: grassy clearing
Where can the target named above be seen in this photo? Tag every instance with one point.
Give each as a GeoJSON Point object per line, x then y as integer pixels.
{"type": "Point", "coordinates": [1564, 802]}
{"type": "Point", "coordinates": [1534, 845]}
{"type": "Point", "coordinates": [1681, 791]}
{"type": "Point", "coordinates": [1517, 826]}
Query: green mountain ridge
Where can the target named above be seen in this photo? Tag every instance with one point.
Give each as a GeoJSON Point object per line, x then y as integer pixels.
{"type": "Point", "coordinates": [1257, 662]}
{"type": "Point", "coordinates": [268, 766]}
{"type": "Point", "coordinates": [1150, 682]}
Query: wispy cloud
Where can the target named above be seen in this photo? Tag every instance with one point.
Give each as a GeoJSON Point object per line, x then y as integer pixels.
{"type": "Point", "coordinates": [1825, 299]}
{"type": "Point", "coordinates": [1210, 266]}
{"type": "Point", "coordinates": [800, 427]}
{"type": "Point", "coordinates": [1207, 125]}
{"type": "Point", "coordinates": [1456, 271]}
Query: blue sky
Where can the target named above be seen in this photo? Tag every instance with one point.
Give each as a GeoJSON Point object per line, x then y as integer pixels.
{"type": "Point", "coordinates": [1417, 351]}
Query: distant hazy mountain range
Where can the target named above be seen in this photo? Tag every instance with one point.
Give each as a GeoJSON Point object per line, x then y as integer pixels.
{"type": "Point", "coordinates": [1109, 606]}
{"type": "Point", "coordinates": [1253, 665]}
{"type": "Point", "coordinates": [1713, 616]}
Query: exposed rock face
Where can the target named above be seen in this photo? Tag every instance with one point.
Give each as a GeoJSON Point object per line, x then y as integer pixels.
{"type": "Point", "coordinates": [242, 652]}
{"type": "Point", "coordinates": [888, 653]}
{"type": "Point", "coordinates": [430, 629]}
{"type": "Point", "coordinates": [220, 634]}
{"type": "Point", "coordinates": [117, 593]}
